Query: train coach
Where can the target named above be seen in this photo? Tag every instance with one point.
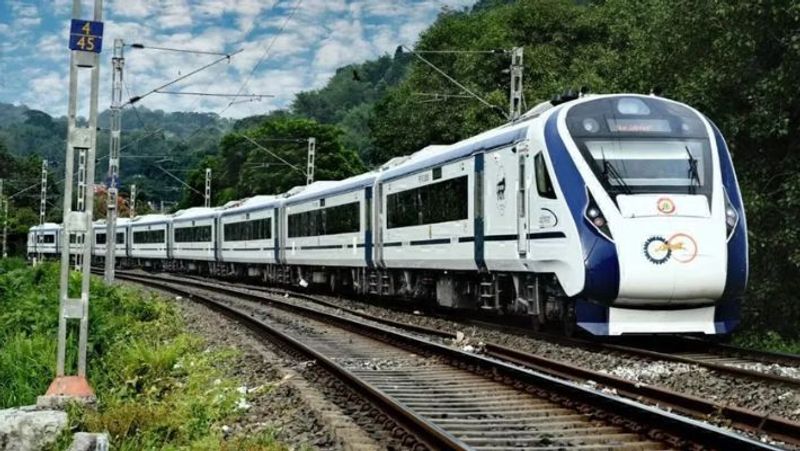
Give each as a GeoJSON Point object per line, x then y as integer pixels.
{"type": "Point", "coordinates": [44, 239]}
{"type": "Point", "coordinates": [149, 238]}
{"type": "Point", "coordinates": [618, 214]}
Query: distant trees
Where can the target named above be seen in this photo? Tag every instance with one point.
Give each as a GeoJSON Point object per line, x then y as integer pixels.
{"type": "Point", "coordinates": [242, 169]}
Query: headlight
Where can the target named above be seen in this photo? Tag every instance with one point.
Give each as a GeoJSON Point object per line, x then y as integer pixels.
{"type": "Point", "coordinates": [596, 218]}
{"type": "Point", "coordinates": [731, 217]}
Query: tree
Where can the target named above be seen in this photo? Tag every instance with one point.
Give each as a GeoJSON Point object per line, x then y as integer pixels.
{"type": "Point", "coordinates": [243, 169]}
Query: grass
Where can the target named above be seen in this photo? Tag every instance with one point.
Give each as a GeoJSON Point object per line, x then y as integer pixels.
{"type": "Point", "coordinates": [766, 341]}
{"type": "Point", "coordinates": [158, 387]}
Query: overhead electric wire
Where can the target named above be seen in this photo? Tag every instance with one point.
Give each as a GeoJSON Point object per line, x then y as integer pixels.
{"type": "Point", "coordinates": [272, 153]}
{"type": "Point", "coordinates": [265, 55]}
{"type": "Point", "coordinates": [456, 82]}
{"type": "Point", "coordinates": [135, 99]}
{"type": "Point", "coordinates": [178, 179]}
{"type": "Point", "coordinates": [213, 94]}
{"type": "Point", "coordinates": [170, 49]}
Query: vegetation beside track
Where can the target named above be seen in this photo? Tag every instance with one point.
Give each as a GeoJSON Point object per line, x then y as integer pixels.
{"type": "Point", "coordinates": [157, 385]}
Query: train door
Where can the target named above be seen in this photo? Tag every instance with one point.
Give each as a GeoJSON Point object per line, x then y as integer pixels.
{"type": "Point", "coordinates": [523, 206]}
{"type": "Point", "coordinates": [378, 223]}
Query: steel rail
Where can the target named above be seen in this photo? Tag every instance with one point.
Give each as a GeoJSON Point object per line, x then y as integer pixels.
{"type": "Point", "coordinates": [690, 429]}
{"type": "Point", "coordinates": [428, 433]}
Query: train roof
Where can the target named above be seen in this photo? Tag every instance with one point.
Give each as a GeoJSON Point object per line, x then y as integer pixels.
{"type": "Point", "coordinates": [194, 213]}
{"type": "Point", "coordinates": [47, 226]}
{"type": "Point", "coordinates": [150, 219]}
{"type": "Point", "coordinates": [251, 204]}
{"type": "Point", "coordinates": [436, 155]}
{"type": "Point", "coordinates": [322, 189]}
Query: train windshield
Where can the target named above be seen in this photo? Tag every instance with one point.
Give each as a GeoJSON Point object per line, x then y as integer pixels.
{"type": "Point", "coordinates": [636, 145]}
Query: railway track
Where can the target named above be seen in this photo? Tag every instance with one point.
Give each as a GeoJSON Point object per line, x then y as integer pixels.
{"type": "Point", "coordinates": [496, 404]}
{"type": "Point", "coordinates": [725, 359]}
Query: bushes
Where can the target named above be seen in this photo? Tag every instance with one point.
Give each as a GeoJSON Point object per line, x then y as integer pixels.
{"type": "Point", "coordinates": [157, 386]}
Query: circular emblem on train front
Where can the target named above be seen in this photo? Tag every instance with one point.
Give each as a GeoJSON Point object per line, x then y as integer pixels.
{"type": "Point", "coordinates": [665, 206]}
{"type": "Point", "coordinates": [683, 247]}
{"type": "Point", "coordinates": [657, 250]}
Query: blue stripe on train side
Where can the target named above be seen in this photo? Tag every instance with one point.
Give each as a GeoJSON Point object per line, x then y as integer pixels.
{"type": "Point", "coordinates": [480, 259]}
{"type": "Point", "coordinates": [600, 257]}
{"type": "Point", "coordinates": [368, 230]}
{"type": "Point", "coordinates": [736, 280]}
{"type": "Point", "coordinates": [727, 313]}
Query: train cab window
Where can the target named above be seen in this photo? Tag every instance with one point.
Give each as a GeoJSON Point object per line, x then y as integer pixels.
{"type": "Point", "coordinates": [543, 183]}
{"type": "Point", "coordinates": [47, 239]}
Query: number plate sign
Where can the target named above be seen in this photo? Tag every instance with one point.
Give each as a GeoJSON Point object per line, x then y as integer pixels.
{"type": "Point", "coordinates": [86, 35]}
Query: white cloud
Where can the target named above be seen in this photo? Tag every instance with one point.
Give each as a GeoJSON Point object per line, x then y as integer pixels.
{"type": "Point", "coordinates": [321, 36]}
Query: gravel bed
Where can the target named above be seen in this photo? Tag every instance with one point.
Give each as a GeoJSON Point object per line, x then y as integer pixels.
{"type": "Point", "coordinates": [762, 396]}
{"type": "Point", "coordinates": [767, 397]}
{"type": "Point", "coordinates": [769, 368]}
{"type": "Point", "coordinates": [274, 394]}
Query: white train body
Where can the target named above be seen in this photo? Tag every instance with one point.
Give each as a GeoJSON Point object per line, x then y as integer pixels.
{"type": "Point", "coordinates": [618, 213]}
{"type": "Point", "coordinates": [248, 231]}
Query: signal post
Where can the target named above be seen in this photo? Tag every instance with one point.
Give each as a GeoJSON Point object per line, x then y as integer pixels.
{"type": "Point", "coordinates": [85, 43]}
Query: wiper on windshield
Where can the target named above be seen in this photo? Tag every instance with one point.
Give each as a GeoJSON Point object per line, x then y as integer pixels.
{"type": "Point", "coordinates": [610, 169]}
{"type": "Point", "coordinates": [694, 177]}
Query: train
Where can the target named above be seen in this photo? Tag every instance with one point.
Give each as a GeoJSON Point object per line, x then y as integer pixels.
{"type": "Point", "coordinates": [609, 214]}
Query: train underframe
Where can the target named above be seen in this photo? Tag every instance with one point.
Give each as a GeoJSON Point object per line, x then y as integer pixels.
{"type": "Point", "coordinates": [536, 298]}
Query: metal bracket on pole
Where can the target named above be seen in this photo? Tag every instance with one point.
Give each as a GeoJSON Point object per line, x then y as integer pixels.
{"type": "Point", "coordinates": [86, 43]}
{"type": "Point", "coordinates": [207, 195]}
{"type": "Point", "coordinates": [117, 65]}
{"type": "Point", "coordinates": [515, 107]}
{"type": "Point", "coordinates": [312, 151]}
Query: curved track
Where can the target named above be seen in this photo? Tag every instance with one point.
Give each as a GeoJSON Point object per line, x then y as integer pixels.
{"type": "Point", "coordinates": [480, 402]}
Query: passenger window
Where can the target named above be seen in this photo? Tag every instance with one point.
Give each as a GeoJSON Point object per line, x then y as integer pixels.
{"type": "Point", "coordinates": [543, 183]}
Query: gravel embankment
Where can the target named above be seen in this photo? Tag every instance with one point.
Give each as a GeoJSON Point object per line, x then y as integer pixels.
{"type": "Point", "coordinates": [761, 396]}
{"type": "Point", "coordinates": [279, 398]}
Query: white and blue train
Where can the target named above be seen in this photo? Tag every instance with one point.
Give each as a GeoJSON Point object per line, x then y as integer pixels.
{"type": "Point", "coordinates": [620, 214]}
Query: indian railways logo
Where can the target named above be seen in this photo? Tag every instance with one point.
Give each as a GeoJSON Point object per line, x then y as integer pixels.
{"type": "Point", "coordinates": [680, 247]}
{"type": "Point", "coordinates": [665, 206]}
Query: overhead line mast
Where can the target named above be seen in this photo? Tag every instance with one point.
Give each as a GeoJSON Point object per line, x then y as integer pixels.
{"type": "Point", "coordinates": [117, 66]}
{"type": "Point", "coordinates": [42, 211]}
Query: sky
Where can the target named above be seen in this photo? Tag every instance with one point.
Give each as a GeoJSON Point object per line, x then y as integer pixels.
{"type": "Point", "coordinates": [287, 46]}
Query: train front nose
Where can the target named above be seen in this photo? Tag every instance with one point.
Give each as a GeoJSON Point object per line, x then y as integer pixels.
{"type": "Point", "coordinates": [671, 261]}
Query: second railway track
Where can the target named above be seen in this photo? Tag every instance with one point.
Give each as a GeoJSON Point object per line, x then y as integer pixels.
{"type": "Point", "coordinates": [446, 394]}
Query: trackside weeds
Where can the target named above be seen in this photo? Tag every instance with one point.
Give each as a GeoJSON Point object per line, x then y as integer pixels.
{"type": "Point", "coordinates": [158, 386]}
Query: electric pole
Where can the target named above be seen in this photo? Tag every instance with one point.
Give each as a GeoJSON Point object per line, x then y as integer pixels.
{"type": "Point", "coordinates": [4, 207]}
{"type": "Point", "coordinates": [42, 209]}
{"type": "Point", "coordinates": [117, 65]}
{"type": "Point", "coordinates": [85, 43]}
{"type": "Point", "coordinates": [5, 227]}
{"type": "Point", "coordinates": [515, 108]}
{"type": "Point", "coordinates": [312, 151]}
{"type": "Point", "coordinates": [207, 195]}
{"type": "Point", "coordinates": [133, 202]}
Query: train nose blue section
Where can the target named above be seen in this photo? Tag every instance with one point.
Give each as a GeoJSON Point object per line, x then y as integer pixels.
{"type": "Point", "coordinates": [600, 255]}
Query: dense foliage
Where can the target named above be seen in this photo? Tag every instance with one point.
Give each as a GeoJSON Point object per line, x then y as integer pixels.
{"type": "Point", "coordinates": [276, 163]}
{"type": "Point", "coordinates": [173, 141]}
{"type": "Point", "coordinates": [21, 184]}
{"type": "Point", "coordinates": [158, 387]}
